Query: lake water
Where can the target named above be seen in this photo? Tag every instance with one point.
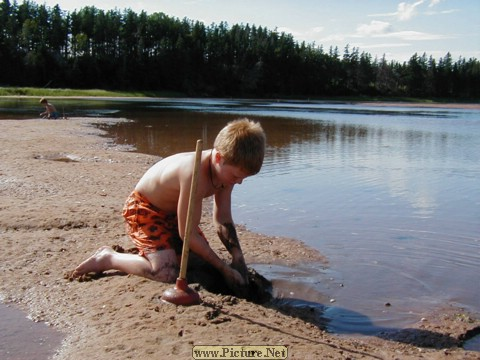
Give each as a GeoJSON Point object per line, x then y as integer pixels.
{"type": "Point", "coordinates": [24, 339]}
{"type": "Point", "coordinates": [390, 195]}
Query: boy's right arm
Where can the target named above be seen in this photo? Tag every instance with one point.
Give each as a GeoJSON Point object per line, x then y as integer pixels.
{"type": "Point", "coordinates": [201, 247]}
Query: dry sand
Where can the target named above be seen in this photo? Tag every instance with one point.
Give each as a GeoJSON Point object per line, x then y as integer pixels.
{"type": "Point", "coordinates": [62, 188]}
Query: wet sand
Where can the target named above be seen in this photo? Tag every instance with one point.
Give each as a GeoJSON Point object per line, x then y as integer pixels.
{"type": "Point", "coordinates": [62, 188]}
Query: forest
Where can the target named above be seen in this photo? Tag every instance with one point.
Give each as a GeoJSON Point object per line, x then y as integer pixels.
{"type": "Point", "coordinates": [43, 46]}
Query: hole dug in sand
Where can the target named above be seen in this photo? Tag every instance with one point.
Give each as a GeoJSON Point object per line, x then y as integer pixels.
{"type": "Point", "coordinates": [58, 157]}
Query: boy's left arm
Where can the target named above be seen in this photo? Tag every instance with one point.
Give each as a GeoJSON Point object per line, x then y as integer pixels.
{"type": "Point", "coordinates": [226, 230]}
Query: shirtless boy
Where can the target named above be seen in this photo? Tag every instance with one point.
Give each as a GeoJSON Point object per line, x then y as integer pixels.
{"type": "Point", "coordinates": [50, 110]}
{"type": "Point", "coordinates": [156, 211]}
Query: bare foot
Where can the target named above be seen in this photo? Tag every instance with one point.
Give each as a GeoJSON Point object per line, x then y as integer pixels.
{"type": "Point", "coordinates": [96, 263]}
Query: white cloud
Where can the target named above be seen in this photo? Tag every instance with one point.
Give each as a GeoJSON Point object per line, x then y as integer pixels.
{"type": "Point", "coordinates": [317, 29]}
{"type": "Point", "coordinates": [374, 28]}
{"type": "Point", "coordinates": [414, 36]}
{"type": "Point", "coordinates": [443, 12]}
{"type": "Point", "coordinates": [382, 29]}
{"type": "Point", "coordinates": [384, 45]}
{"type": "Point", "coordinates": [451, 11]}
{"type": "Point", "coordinates": [383, 15]}
{"type": "Point", "coordinates": [406, 11]}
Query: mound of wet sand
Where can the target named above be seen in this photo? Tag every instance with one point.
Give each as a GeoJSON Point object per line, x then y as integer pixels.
{"type": "Point", "coordinates": [62, 188]}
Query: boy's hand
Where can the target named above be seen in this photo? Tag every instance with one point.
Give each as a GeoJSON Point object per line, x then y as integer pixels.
{"type": "Point", "coordinates": [228, 235]}
{"type": "Point", "coordinates": [238, 263]}
{"type": "Point", "coordinates": [236, 282]}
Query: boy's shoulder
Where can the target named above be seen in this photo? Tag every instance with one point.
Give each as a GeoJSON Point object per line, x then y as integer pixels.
{"type": "Point", "coordinates": [178, 157]}
{"type": "Point", "coordinates": [177, 161]}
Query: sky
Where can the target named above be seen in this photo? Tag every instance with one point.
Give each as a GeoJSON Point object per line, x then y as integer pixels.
{"type": "Point", "coordinates": [396, 29]}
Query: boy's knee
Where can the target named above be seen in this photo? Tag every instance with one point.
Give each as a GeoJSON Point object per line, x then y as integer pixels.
{"type": "Point", "coordinates": [166, 275]}
{"type": "Point", "coordinates": [164, 266]}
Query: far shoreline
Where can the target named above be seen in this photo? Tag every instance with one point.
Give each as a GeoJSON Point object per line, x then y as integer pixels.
{"type": "Point", "coordinates": [387, 102]}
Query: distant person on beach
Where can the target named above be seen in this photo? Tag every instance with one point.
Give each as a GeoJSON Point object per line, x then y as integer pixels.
{"type": "Point", "coordinates": [156, 210]}
{"type": "Point", "coordinates": [50, 110]}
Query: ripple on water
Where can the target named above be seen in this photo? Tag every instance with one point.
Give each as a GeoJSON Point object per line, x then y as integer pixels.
{"type": "Point", "coordinates": [384, 283]}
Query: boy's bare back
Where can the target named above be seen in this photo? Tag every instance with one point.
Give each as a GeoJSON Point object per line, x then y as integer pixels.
{"type": "Point", "coordinates": [165, 180]}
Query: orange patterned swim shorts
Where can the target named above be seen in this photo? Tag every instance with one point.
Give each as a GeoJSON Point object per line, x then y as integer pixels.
{"type": "Point", "coordinates": [150, 228]}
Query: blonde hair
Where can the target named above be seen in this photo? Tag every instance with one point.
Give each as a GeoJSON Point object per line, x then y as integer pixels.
{"type": "Point", "coordinates": [43, 100]}
{"type": "Point", "coordinates": [242, 144]}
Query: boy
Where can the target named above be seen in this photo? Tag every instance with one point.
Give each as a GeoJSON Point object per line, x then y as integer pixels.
{"type": "Point", "coordinates": [156, 211]}
{"type": "Point", "coordinates": [50, 110]}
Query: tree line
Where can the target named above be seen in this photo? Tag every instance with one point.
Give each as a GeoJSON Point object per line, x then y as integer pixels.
{"type": "Point", "coordinates": [122, 50]}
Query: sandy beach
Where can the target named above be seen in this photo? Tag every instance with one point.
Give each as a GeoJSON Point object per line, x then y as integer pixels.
{"type": "Point", "coordinates": [62, 189]}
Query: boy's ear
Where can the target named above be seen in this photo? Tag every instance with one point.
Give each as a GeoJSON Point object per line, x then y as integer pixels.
{"type": "Point", "coordinates": [218, 157]}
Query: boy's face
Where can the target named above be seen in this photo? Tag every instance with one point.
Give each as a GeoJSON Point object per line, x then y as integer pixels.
{"type": "Point", "coordinates": [231, 175]}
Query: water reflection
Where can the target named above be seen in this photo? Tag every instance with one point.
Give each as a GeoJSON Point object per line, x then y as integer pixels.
{"type": "Point", "coordinates": [168, 132]}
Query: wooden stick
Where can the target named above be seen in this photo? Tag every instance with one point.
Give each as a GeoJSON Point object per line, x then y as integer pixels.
{"type": "Point", "coordinates": [191, 208]}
